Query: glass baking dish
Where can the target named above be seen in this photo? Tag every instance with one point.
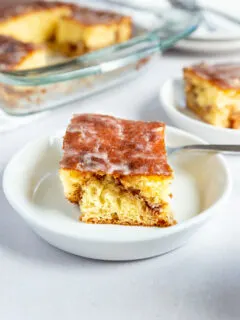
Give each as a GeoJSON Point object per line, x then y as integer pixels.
{"type": "Point", "coordinates": [36, 90]}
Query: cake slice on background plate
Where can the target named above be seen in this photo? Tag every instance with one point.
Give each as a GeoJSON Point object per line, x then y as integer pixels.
{"type": "Point", "coordinates": [213, 92]}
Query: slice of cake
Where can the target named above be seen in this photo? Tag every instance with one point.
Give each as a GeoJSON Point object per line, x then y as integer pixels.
{"type": "Point", "coordinates": [117, 171]}
{"type": "Point", "coordinates": [32, 22]}
{"type": "Point", "coordinates": [213, 92]}
{"type": "Point", "coordinates": [17, 55]}
{"type": "Point", "coordinates": [88, 29]}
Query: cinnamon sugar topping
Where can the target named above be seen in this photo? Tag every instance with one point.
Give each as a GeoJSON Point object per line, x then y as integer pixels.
{"type": "Point", "coordinates": [91, 16]}
{"type": "Point", "coordinates": [102, 143]}
{"type": "Point", "coordinates": [13, 51]}
{"type": "Point", "coordinates": [226, 75]}
{"type": "Point", "coordinates": [25, 8]}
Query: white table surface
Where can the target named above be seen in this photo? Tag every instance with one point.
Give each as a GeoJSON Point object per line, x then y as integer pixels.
{"type": "Point", "coordinates": [200, 281]}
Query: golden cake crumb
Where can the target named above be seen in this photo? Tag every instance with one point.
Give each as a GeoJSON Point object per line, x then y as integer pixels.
{"type": "Point", "coordinates": [117, 171]}
{"type": "Point", "coordinates": [213, 92]}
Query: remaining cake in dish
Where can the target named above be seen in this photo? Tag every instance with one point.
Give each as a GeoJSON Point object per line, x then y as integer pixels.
{"type": "Point", "coordinates": [117, 171]}
{"type": "Point", "coordinates": [29, 37]}
{"type": "Point", "coordinates": [88, 29]}
{"type": "Point", "coordinates": [213, 92]}
{"type": "Point", "coordinates": [33, 22]}
{"type": "Point", "coordinates": [15, 55]}
{"type": "Point", "coordinates": [64, 27]}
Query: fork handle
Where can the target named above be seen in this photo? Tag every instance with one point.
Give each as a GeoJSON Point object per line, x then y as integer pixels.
{"type": "Point", "coordinates": [222, 14]}
{"type": "Point", "coordinates": [214, 147]}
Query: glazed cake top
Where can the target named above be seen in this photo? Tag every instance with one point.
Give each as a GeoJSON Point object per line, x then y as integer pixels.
{"type": "Point", "coordinates": [12, 52]}
{"type": "Point", "coordinates": [89, 16]}
{"type": "Point", "coordinates": [225, 76]}
{"type": "Point", "coordinates": [24, 8]}
{"type": "Point", "coordinates": [99, 143]}
{"type": "Point", "coordinates": [81, 14]}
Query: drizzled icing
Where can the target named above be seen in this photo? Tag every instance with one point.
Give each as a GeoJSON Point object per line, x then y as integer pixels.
{"type": "Point", "coordinates": [99, 143]}
{"type": "Point", "coordinates": [225, 75]}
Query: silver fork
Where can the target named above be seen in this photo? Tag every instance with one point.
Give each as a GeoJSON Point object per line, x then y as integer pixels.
{"type": "Point", "coordinates": [192, 6]}
{"type": "Point", "coordinates": [223, 148]}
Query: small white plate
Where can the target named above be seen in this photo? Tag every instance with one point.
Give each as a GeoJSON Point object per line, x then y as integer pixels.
{"type": "Point", "coordinates": [32, 187]}
{"type": "Point", "coordinates": [223, 29]}
{"type": "Point", "coordinates": [208, 46]}
{"type": "Point", "coordinates": [223, 36]}
{"type": "Point", "coordinates": [172, 98]}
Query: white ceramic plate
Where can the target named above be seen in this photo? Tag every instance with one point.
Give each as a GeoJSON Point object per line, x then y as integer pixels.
{"type": "Point", "coordinates": [208, 46]}
{"type": "Point", "coordinates": [223, 29]}
{"type": "Point", "coordinates": [224, 37]}
{"type": "Point", "coordinates": [172, 99]}
{"type": "Point", "coordinates": [32, 187]}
